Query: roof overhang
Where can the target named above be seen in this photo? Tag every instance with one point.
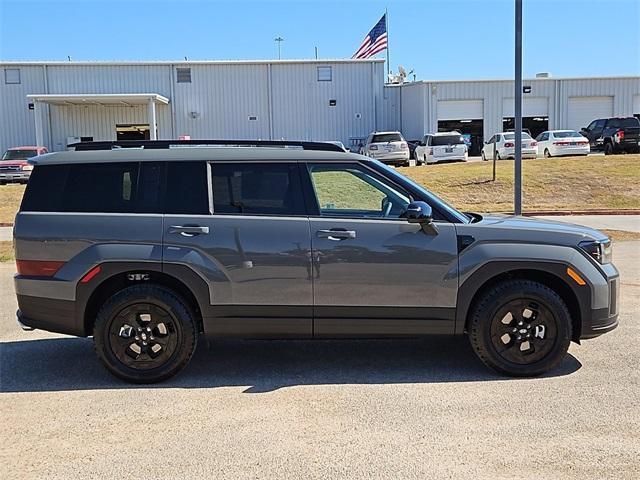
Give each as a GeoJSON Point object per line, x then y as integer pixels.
{"type": "Point", "coordinates": [101, 99]}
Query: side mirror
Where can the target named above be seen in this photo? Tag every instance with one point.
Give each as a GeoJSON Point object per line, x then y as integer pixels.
{"type": "Point", "coordinates": [421, 212]}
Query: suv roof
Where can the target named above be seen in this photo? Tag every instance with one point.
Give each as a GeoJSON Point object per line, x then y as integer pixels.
{"type": "Point", "coordinates": [189, 153]}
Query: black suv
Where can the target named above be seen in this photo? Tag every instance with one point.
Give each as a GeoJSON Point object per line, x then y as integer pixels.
{"type": "Point", "coordinates": [614, 135]}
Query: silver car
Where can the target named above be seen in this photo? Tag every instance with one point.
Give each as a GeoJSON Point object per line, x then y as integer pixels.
{"type": "Point", "coordinates": [388, 147]}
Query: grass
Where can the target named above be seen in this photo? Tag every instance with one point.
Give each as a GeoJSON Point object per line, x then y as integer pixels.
{"type": "Point", "coordinates": [6, 251]}
{"type": "Point", "coordinates": [569, 183]}
{"type": "Point", "coordinates": [10, 198]}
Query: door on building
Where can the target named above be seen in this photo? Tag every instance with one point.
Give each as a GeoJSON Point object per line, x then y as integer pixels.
{"type": "Point", "coordinates": [534, 125]}
{"type": "Point", "coordinates": [472, 130]}
{"type": "Point", "coordinates": [133, 132]}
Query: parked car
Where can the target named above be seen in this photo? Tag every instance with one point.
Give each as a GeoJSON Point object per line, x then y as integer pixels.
{"type": "Point", "coordinates": [614, 135]}
{"type": "Point", "coordinates": [14, 165]}
{"type": "Point", "coordinates": [442, 146]}
{"type": "Point", "coordinates": [555, 143]}
{"type": "Point", "coordinates": [147, 249]}
{"type": "Point", "coordinates": [505, 146]}
{"type": "Point", "coordinates": [388, 147]}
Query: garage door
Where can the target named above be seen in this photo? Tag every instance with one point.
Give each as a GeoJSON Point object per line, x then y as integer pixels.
{"type": "Point", "coordinates": [531, 107]}
{"type": "Point", "coordinates": [460, 110]}
{"type": "Point", "coordinates": [583, 110]}
{"type": "Point", "coordinates": [636, 105]}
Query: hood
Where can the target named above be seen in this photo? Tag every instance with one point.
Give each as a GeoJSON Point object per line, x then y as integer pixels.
{"type": "Point", "coordinates": [14, 163]}
{"type": "Point", "coordinates": [531, 229]}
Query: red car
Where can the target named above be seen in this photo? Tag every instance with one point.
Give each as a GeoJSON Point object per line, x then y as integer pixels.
{"type": "Point", "coordinates": [14, 166]}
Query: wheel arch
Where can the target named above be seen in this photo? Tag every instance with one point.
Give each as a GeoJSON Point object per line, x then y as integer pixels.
{"type": "Point", "coordinates": [549, 274]}
{"type": "Point", "coordinates": [115, 276]}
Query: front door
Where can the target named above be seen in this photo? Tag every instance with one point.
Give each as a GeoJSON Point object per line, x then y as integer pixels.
{"type": "Point", "coordinates": [374, 273]}
{"type": "Point", "coordinates": [249, 238]}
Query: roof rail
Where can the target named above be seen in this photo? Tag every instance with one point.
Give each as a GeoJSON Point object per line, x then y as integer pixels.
{"type": "Point", "coordinates": [166, 144]}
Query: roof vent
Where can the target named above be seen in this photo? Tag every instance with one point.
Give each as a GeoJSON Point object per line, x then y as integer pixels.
{"type": "Point", "coordinates": [543, 75]}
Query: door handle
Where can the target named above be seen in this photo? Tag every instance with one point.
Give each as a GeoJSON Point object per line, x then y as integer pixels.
{"type": "Point", "coordinates": [336, 234]}
{"type": "Point", "coordinates": [189, 230]}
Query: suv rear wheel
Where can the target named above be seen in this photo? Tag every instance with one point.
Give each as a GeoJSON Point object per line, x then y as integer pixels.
{"type": "Point", "coordinates": [145, 334]}
{"type": "Point", "coordinates": [608, 148]}
{"type": "Point", "coordinates": [520, 328]}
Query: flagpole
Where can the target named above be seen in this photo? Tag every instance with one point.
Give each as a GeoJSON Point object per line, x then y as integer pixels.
{"type": "Point", "coordinates": [386, 22]}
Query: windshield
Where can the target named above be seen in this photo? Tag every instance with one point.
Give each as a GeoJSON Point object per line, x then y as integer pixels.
{"type": "Point", "coordinates": [511, 136]}
{"type": "Point", "coordinates": [386, 137]}
{"type": "Point", "coordinates": [393, 173]}
{"type": "Point", "coordinates": [566, 135]}
{"type": "Point", "coordinates": [447, 140]}
{"type": "Point", "coordinates": [19, 154]}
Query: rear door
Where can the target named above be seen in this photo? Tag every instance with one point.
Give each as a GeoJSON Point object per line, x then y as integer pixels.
{"type": "Point", "coordinates": [243, 228]}
{"type": "Point", "coordinates": [374, 273]}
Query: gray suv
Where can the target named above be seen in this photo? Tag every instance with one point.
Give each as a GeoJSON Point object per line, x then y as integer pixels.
{"type": "Point", "coordinates": [147, 248]}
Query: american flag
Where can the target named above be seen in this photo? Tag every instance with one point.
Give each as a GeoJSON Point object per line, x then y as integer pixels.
{"type": "Point", "coordinates": [375, 41]}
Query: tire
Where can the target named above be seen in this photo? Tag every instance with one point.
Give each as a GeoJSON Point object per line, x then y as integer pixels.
{"type": "Point", "coordinates": [608, 148]}
{"type": "Point", "coordinates": [547, 153]}
{"type": "Point", "coordinates": [484, 159]}
{"type": "Point", "coordinates": [498, 156]}
{"type": "Point", "coordinates": [495, 317]}
{"type": "Point", "coordinates": [123, 314]}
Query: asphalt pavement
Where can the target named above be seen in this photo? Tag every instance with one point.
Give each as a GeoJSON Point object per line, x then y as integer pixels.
{"type": "Point", "coordinates": [327, 409]}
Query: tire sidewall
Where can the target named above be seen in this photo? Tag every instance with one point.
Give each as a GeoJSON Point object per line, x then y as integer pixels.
{"type": "Point", "coordinates": [163, 298]}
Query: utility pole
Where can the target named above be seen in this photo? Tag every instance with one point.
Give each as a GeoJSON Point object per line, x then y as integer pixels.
{"type": "Point", "coordinates": [517, 190]}
{"type": "Point", "coordinates": [279, 40]}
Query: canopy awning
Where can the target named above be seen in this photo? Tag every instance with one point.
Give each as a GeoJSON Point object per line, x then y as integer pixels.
{"type": "Point", "coordinates": [103, 99]}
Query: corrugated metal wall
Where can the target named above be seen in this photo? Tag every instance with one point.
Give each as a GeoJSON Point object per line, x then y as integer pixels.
{"type": "Point", "coordinates": [224, 100]}
{"type": "Point", "coordinates": [493, 94]}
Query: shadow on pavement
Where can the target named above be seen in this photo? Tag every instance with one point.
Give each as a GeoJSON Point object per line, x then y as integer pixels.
{"type": "Point", "coordinates": [264, 366]}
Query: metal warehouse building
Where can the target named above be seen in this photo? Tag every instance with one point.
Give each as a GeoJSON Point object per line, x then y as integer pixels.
{"type": "Point", "coordinates": [57, 103]}
{"type": "Point", "coordinates": [481, 108]}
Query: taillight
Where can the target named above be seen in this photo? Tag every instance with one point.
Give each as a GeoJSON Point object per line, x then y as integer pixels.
{"type": "Point", "coordinates": [509, 145]}
{"type": "Point", "coordinates": [373, 147]}
{"type": "Point", "coordinates": [619, 136]}
{"type": "Point", "coordinates": [403, 146]}
{"type": "Point", "coordinates": [562, 143]}
{"type": "Point", "coordinates": [38, 268]}
{"type": "Point", "coordinates": [533, 144]}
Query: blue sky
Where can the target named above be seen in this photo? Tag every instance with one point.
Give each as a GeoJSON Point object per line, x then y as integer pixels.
{"type": "Point", "coordinates": [439, 39]}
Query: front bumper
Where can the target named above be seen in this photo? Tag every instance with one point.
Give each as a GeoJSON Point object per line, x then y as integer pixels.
{"type": "Point", "coordinates": [603, 320]}
{"type": "Point", "coordinates": [15, 176]}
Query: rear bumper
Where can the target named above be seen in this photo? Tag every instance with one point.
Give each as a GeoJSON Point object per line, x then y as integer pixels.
{"type": "Point", "coordinates": [400, 157]}
{"type": "Point", "coordinates": [572, 150]}
{"type": "Point", "coordinates": [48, 314]}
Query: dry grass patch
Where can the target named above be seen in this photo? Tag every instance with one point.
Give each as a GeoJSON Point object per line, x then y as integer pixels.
{"type": "Point", "coordinates": [570, 183]}
{"type": "Point", "coordinates": [6, 252]}
{"type": "Point", "coordinates": [10, 198]}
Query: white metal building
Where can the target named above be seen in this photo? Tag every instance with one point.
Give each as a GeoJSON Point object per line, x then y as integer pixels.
{"type": "Point", "coordinates": [57, 103]}
{"type": "Point", "coordinates": [484, 107]}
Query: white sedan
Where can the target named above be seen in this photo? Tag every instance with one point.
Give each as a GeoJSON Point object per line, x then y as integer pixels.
{"type": "Point", "coordinates": [505, 146]}
{"type": "Point", "coordinates": [554, 143]}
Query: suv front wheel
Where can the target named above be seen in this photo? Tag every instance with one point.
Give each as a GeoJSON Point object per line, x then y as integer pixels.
{"type": "Point", "coordinates": [145, 334]}
{"type": "Point", "coordinates": [520, 328]}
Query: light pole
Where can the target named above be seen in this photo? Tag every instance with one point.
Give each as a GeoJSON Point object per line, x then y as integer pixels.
{"type": "Point", "coordinates": [279, 40]}
{"type": "Point", "coordinates": [517, 187]}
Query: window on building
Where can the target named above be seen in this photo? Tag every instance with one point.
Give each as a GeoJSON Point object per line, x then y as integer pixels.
{"type": "Point", "coordinates": [325, 74]}
{"type": "Point", "coordinates": [257, 189]}
{"type": "Point", "coordinates": [183, 75]}
{"type": "Point", "coordinates": [11, 75]}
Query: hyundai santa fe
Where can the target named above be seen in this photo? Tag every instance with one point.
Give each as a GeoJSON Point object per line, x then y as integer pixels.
{"type": "Point", "coordinates": [146, 249]}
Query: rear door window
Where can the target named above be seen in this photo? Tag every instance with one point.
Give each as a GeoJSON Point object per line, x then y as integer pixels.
{"type": "Point", "coordinates": [187, 189]}
{"type": "Point", "coordinates": [257, 189]}
{"type": "Point", "coordinates": [386, 137]}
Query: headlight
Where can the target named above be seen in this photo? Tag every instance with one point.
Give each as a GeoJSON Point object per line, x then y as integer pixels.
{"type": "Point", "coordinates": [27, 167]}
{"type": "Point", "coordinates": [601, 251]}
